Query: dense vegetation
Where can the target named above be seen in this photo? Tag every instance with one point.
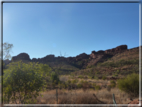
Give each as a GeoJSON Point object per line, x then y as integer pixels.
{"type": "Point", "coordinates": [23, 82]}
{"type": "Point", "coordinates": [130, 84]}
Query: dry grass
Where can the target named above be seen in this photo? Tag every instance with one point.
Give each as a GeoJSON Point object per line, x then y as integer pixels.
{"type": "Point", "coordinates": [80, 97]}
{"type": "Point", "coordinates": [64, 78]}
{"type": "Point", "coordinates": [120, 97]}
{"type": "Point", "coordinates": [68, 97]}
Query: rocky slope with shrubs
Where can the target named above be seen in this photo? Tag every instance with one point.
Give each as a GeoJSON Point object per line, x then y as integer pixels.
{"type": "Point", "coordinates": [78, 61]}
{"type": "Point", "coordinates": [100, 72]}
{"type": "Point", "coordinates": [116, 59]}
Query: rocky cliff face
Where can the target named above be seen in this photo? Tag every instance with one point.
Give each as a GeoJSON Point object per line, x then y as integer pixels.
{"type": "Point", "coordinates": [81, 56]}
{"type": "Point", "coordinates": [100, 56]}
{"type": "Point", "coordinates": [79, 61]}
{"type": "Point", "coordinates": [116, 50]}
{"type": "Point", "coordinates": [112, 51]}
{"type": "Point", "coordinates": [48, 58]}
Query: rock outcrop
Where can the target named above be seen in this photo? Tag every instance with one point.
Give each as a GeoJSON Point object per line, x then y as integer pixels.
{"type": "Point", "coordinates": [21, 56]}
{"type": "Point", "coordinates": [116, 50]}
{"type": "Point", "coordinates": [95, 54]}
{"type": "Point", "coordinates": [48, 58]}
{"type": "Point", "coordinates": [80, 61]}
{"type": "Point", "coordinates": [81, 56]}
{"type": "Point", "coordinates": [112, 51]}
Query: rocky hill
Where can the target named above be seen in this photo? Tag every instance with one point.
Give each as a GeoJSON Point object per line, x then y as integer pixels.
{"type": "Point", "coordinates": [108, 59]}
{"type": "Point", "coordinates": [80, 61]}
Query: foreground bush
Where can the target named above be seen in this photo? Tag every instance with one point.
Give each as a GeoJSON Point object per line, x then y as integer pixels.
{"type": "Point", "coordinates": [22, 82]}
{"type": "Point", "coordinates": [55, 78]}
{"type": "Point", "coordinates": [130, 84]}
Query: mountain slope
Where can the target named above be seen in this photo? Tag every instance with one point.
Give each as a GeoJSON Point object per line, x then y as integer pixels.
{"type": "Point", "coordinates": [119, 59]}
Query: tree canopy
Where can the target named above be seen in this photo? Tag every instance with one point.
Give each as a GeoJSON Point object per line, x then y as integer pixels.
{"type": "Point", "coordinates": [24, 81]}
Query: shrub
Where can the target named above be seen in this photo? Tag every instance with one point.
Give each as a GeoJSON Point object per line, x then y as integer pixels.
{"type": "Point", "coordinates": [55, 78]}
{"type": "Point", "coordinates": [115, 75]}
{"type": "Point", "coordinates": [79, 85]}
{"type": "Point", "coordinates": [85, 85]}
{"type": "Point", "coordinates": [74, 81]}
{"type": "Point", "coordinates": [104, 77]}
{"type": "Point", "coordinates": [112, 83]}
{"type": "Point", "coordinates": [97, 87]}
{"type": "Point", "coordinates": [69, 82]}
{"type": "Point", "coordinates": [130, 84]}
{"type": "Point", "coordinates": [95, 77]}
{"type": "Point", "coordinates": [80, 76]}
{"type": "Point", "coordinates": [93, 84]}
{"type": "Point", "coordinates": [22, 82]}
{"type": "Point", "coordinates": [89, 77]}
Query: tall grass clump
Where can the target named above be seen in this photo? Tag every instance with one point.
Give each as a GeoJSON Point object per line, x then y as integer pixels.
{"type": "Point", "coordinates": [130, 84]}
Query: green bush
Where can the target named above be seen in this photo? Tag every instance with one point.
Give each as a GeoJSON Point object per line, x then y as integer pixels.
{"type": "Point", "coordinates": [80, 76]}
{"type": "Point", "coordinates": [93, 84]}
{"type": "Point", "coordinates": [130, 84]}
{"type": "Point", "coordinates": [97, 87]}
{"type": "Point", "coordinates": [115, 75]}
{"type": "Point", "coordinates": [55, 78]}
{"type": "Point", "coordinates": [95, 77]}
{"type": "Point", "coordinates": [79, 85]}
{"type": "Point", "coordinates": [89, 77]}
{"type": "Point", "coordinates": [74, 81]}
{"type": "Point", "coordinates": [22, 82]}
{"type": "Point", "coordinates": [68, 82]}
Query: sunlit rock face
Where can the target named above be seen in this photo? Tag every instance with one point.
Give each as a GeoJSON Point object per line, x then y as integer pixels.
{"type": "Point", "coordinates": [95, 54]}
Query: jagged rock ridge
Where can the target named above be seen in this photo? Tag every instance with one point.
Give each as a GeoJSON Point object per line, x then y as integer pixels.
{"type": "Point", "coordinates": [80, 61]}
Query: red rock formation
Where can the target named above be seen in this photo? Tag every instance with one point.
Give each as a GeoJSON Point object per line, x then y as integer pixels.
{"type": "Point", "coordinates": [112, 51]}
{"type": "Point", "coordinates": [82, 56]}
{"type": "Point", "coordinates": [81, 60]}
{"type": "Point", "coordinates": [95, 54]}
{"type": "Point", "coordinates": [116, 50]}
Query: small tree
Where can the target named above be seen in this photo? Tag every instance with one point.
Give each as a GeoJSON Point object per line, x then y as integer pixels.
{"type": "Point", "coordinates": [130, 84]}
{"type": "Point", "coordinates": [6, 50]}
{"type": "Point", "coordinates": [22, 82]}
{"type": "Point", "coordinates": [54, 78]}
{"type": "Point", "coordinates": [6, 53]}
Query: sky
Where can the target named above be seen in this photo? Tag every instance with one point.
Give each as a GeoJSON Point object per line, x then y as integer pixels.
{"type": "Point", "coordinates": [69, 29]}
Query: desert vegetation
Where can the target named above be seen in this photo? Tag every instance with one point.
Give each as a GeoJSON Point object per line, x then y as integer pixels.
{"type": "Point", "coordinates": [61, 83]}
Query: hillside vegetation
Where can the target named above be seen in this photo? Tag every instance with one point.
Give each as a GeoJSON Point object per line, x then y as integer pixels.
{"type": "Point", "coordinates": [86, 77]}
